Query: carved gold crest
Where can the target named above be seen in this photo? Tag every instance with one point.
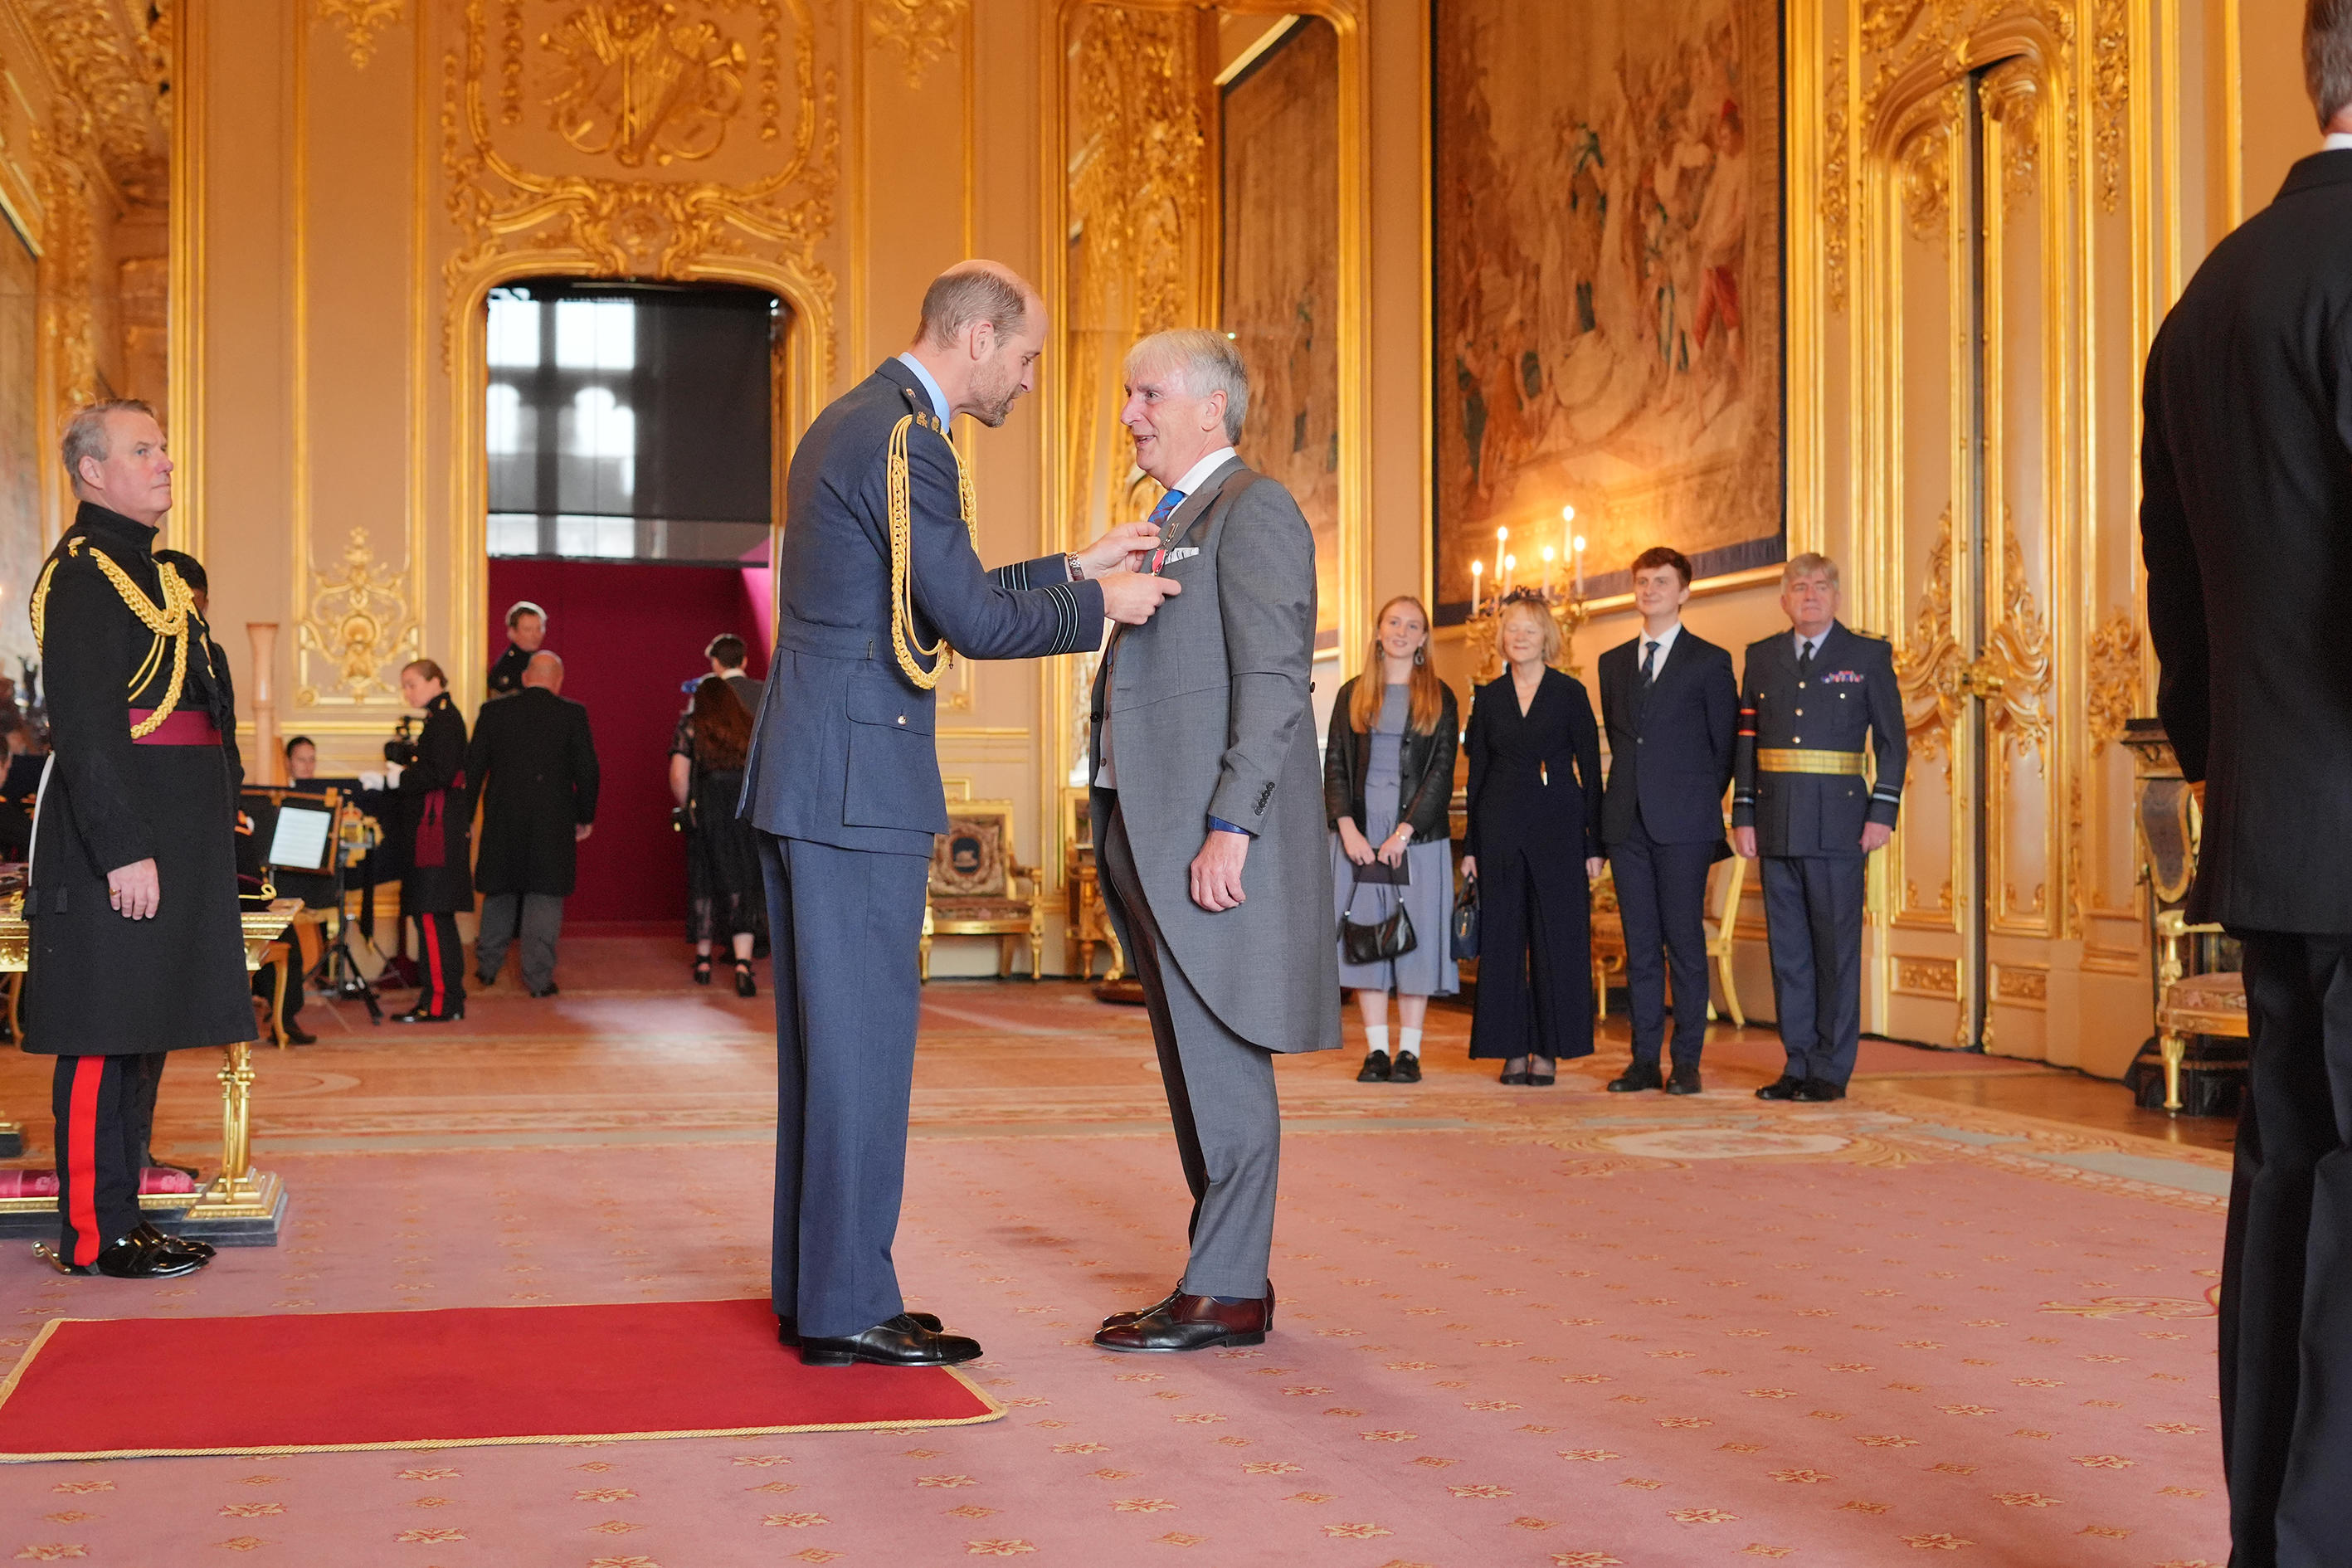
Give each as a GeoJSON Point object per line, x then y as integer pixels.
{"type": "Point", "coordinates": [643, 83]}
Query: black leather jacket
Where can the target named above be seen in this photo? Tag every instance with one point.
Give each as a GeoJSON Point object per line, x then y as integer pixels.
{"type": "Point", "coordinates": [1426, 768]}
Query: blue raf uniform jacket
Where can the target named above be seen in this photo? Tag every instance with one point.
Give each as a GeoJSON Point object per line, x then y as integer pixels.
{"type": "Point", "coordinates": [843, 753]}
{"type": "Point", "coordinates": [1797, 769]}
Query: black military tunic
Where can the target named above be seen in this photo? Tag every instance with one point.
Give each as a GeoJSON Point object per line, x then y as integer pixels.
{"type": "Point", "coordinates": [505, 675]}
{"type": "Point", "coordinates": [99, 984]}
{"type": "Point", "coordinates": [440, 877]}
{"type": "Point", "coordinates": [1799, 779]}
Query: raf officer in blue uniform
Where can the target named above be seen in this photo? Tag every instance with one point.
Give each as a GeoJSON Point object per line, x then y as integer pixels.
{"type": "Point", "coordinates": [877, 585]}
{"type": "Point", "coordinates": [1802, 799]}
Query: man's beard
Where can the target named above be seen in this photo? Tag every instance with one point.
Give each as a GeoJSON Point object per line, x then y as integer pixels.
{"type": "Point", "coordinates": [998, 405]}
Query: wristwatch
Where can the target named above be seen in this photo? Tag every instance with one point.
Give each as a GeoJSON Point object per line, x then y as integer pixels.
{"type": "Point", "coordinates": [1077, 568]}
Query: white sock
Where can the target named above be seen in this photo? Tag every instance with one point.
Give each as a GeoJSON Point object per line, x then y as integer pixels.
{"type": "Point", "coordinates": [1408, 1041]}
{"type": "Point", "coordinates": [1378, 1034]}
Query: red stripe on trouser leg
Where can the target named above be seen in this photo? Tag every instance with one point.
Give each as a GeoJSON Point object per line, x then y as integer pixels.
{"type": "Point", "coordinates": [435, 985]}
{"type": "Point", "coordinates": [80, 1134]}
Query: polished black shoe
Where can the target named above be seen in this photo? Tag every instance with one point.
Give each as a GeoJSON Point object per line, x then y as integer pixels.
{"type": "Point", "coordinates": [484, 982]}
{"type": "Point", "coordinates": [788, 1329]}
{"type": "Point", "coordinates": [417, 1014]}
{"type": "Point", "coordinates": [1639, 1077]}
{"type": "Point", "coordinates": [1543, 1079]}
{"type": "Point", "coordinates": [1684, 1082]}
{"type": "Point", "coordinates": [135, 1257]}
{"type": "Point", "coordinates": [187, 1244]}
{"type": "Point", "coordinates": [548, 990]}
{"type": "Point", "coordinates": [1514, 1078]}
{"type": "Point", "coordinates": [298, 1035]}
{"type": "Point", "coordinates": [901, 1342]}
{"type": "Point", "coordinates": [1120, 1320]}
{"type": "Point", "coordinates": [1191, 1324]}
{"type": "Point", "coordinates": [1376, 1068]}
{"type": "Point", "coordinates": [1407, 1068]}
{"type": "Point", "coordinates": [1782, 1088]}
{"type": "Point", "coordinates": [1816, 1090]}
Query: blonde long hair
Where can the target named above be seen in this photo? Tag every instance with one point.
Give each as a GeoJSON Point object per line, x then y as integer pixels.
{"type": "Point", "coordinates": [1427, 708]}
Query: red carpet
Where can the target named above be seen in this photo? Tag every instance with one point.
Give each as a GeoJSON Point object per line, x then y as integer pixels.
{"type": "Point", "coordinates": [138, 1388]}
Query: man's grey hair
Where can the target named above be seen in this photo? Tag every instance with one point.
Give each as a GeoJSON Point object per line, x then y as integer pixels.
{"type": "Point", "coordinates": [1208, 362]}
{"type": "Point", "coordinates": [85, 434]}
{"type": "Point", "coordinates": [1805, 565]}
{"type": "Point", "coordinates": [966, 295]}
{"type": "Point", "coordinates": [2327, 56]}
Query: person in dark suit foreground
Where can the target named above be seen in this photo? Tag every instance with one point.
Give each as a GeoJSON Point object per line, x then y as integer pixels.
{"type": "Point", "coordinates": [1670, 707]}
{"type": "Point", "coordinates": [726, 653]}
{"type": "Point", "coordinates": [135, 945]}
{"type": "Point", "coordinates": [2246, 529]}
{"type": "Point", "coordinates": [533, 763]}
{"type": "Point", "coordinates": [877, 578]}
{"type": "Point", "coordinates": [1811, 697]}
{"type": "Point", "coordinates": [1534, 845]}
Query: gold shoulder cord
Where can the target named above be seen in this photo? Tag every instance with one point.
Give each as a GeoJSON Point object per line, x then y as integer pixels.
{"type": "Point", "coordinates": [168, 620]}
{"type": "Point", "coordinates": [902, 542]}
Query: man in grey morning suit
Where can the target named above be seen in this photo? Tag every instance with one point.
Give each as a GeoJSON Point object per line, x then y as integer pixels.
{"type": "Point", "coordinates": [1809, 697]}
{"type": "Point", "coordinates": [1208, 810]}
{"type": "Point", "coordinates": [877, 575]}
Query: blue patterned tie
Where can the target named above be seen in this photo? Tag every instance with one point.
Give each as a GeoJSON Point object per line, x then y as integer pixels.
{"type": "Point", "coordinates": [1166, 508]}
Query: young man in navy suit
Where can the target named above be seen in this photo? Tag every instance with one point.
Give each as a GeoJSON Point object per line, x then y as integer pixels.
{"type": "Point", "coordinates": [1671, 708]}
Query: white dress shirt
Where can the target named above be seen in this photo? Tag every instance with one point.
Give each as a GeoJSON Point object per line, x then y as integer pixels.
{"type": "Point", "coordinates": [1666, 641]}
{"type": "Point", "coordinates": [2336, 141]}
{"type": "Point", "coordinates": [932, 386]}
{"type": "Point", "coordinates": [1107, 771]}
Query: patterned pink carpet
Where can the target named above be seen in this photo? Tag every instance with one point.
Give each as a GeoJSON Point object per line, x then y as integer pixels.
{"type": "Point", "coordinates": [1672, 1332]}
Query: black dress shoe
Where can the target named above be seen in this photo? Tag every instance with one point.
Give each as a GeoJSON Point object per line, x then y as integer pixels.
{"type": "Point", "coordinates": [1782, 1088]}
{"type": "Point", "coordinates": [298, 1035]}
{"type": "Point", "coordinates": [1375, 1068]}
{"type": "Point", "coordinates": [1407, 1068]}
{"type": "Point", "coordinates": [1543, 1079]}
{"type": "Point", "coordinates": [1819, 1089]}
{"type": "Point", "coordinates": [135, 1257]}
{"type": "Point", "coordinates": [1639, 1077]}
{"type": "Point", "coordinates": [1518, 1076]}
{"type": "Point", "coordinates": [788, 1329]}
{"type": "Point", "coordinates": [901, 1342]}
{"type": "Point", "coordinates": [548, 990]}
{"type": "Point", "coordinates": [1120, 1320]}
{"type": "Point", "coordinates": [1191, 1324]}
{"type": "Point", "coordinates": [187, 1244]}
{"type": "Point", "coordinates": [1684, 1081]}
{"type": "Point", "coordinates": [745, 985]}
{"type": "Point", "coordinates": [417, 1014]}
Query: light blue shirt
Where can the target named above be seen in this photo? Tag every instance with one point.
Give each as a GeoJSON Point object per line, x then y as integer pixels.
{"type": "Point", "coordinates": [939, 398]}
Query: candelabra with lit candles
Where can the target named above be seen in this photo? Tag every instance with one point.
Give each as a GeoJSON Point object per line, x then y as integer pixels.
{"type": "Point", "coordinates": [1556, 581]}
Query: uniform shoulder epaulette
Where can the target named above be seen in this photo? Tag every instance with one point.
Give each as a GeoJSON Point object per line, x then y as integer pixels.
{"type": "Point", "coordinates": [1874, 637]}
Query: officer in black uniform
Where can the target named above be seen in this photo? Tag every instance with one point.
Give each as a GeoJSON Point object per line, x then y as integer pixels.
{"type": "Point", "coordinates": [1809, 699]}
{"type": "Point", "coordinates": [526, 630]}
{"type": "Point", "coordinates": [136, 946]}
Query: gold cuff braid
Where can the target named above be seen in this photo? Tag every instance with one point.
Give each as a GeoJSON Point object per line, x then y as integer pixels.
{"type": "Point", "coordinates": [903, 640]}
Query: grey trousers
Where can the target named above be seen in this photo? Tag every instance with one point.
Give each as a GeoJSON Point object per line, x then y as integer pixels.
{"type": "Point", "coordinates": [1220, 1097]}
{"type": "Point", "coordinates": [1812, 923]}
{"type": "Point", "coordinates": [846, 927]}
{"type": "Point", "coordinates": [539, 916]}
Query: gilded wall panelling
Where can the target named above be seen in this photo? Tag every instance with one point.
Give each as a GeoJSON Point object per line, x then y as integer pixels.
{"type": "Point", "coordinates": [917, 31]}
{"type": "Point", "coordinates": [360, 21]}
{"type": "Point", "coordinates": [360, 624]}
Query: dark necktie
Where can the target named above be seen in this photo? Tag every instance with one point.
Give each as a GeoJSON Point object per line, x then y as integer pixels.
{"type": "Point", "coordinates": [1649, 678]}
{"type": "Point", "coordinates": [1805, 660]}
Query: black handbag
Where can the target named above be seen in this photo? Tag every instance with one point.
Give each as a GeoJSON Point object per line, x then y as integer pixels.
{"type": "Point", "coordinates": [1465, 921]}
{"type": "Point", "coordinates": [1391, 938]}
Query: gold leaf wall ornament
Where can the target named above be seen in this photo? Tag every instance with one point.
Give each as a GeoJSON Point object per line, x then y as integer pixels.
{"type": "Point", "coordinates": [2013, 671]}
{"type": "Point", "coordinates": [2012, 97]}
{"type": "Point", "coordinates": [641, 227]}
{"type": "Point", "coordinates": [1837, 182]}
{"type": "Point", "coordinates": [110, 72]}
{"type": "Point", "coordinates": [360, 624]}
{"type": "Point", "coordinates": [2110, 86]}
{"type": "Point", "coordinates": [2114, 678]}
{"type": "Point", "coordinates": [920, 30]}
{"type": "Point", "coordinates": [1928, 669]}
{"type": "Point", "coordinates": [512, 39]}
{"type": "Point", "coordinates": [62, 183]}
{"type": "Point", "coordinates": [643, 83]}
{"type": "Point", "coordinates": [361, 21]}
{"type": "Point", "coordinates": [1925, 168]}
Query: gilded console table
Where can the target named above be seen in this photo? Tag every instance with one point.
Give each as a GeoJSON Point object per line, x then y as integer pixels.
{"type": "Point", "coordinates": [240, 1204]}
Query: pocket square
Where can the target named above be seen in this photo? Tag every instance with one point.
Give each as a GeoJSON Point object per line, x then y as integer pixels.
{"type": "Point", "coordinates": [1163, 559]}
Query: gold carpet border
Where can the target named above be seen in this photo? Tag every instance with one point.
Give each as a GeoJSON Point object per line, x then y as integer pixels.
{"type": "Point", "coordinates": [993, 1410]}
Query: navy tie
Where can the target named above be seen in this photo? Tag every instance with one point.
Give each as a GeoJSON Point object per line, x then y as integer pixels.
{"type": "Point", "coordinates": [1649, 663]}
{"type": "Point", "coordinates": [1166, 508]}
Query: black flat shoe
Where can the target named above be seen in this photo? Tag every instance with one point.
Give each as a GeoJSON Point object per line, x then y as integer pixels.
{"type": "Point", "coordinates": [135, 1257]}
{"type": "Point", "coordinates": [702, 970]}
{"type": "Point", "coordinates": [1375, 1070]}
{"type": "Point", "coordinates": [1539, 1080]}
{"type": "Point", "coordinates": [1639, 1077]}
{"type": "Point", "coordinates": [788, 1329]}
{"type": "Point", "coordinates": [744, 984]}
{"type": "Point", "coordinates": [1684, 1081]}
{"type": "Point", "coordinates": [1407, 1068]}
{"type": "Point", "coordinates": [296, 1035]}
{"type": "Point", "coordinates": [417, 1014]}
{"type": "Point", "coordinates": [1519, 1077]}
{"type": "Point", "coordinates": [901, 1342]}
{"type": "Point", "coordinates": [548, 990]}
{"type": "Point", "coordinates": [1782, 1088]}
{"type": "Point", "coordinates": [1817, 1090]}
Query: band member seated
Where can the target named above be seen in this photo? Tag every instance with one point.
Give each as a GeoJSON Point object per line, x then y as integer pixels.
{"type": "Point", "coordinates": [136, 944]}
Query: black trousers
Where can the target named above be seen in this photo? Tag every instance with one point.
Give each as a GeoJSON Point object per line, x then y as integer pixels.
{"type": "Point", "coordinates": [142, 1078]}
{"type": "Point", "coordinates": [1662, 899]}
{"type": "Point", "coordinates": [1812, 923]}
{"type": "Point", "coordinates": [1534, 959]}
{"type": "Point", "coordinates": [440, 964]}
{"type": "Point", "coordinates": [2285, 1343]}
{"type": "Point", "coordinates": [98, 1156]}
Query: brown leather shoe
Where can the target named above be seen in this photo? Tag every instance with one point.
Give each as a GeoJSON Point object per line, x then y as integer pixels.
{"type": "Point", "coordinates": [1191, 1324]}
{"type": "Point", "coordinates": [1121, 1320]}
